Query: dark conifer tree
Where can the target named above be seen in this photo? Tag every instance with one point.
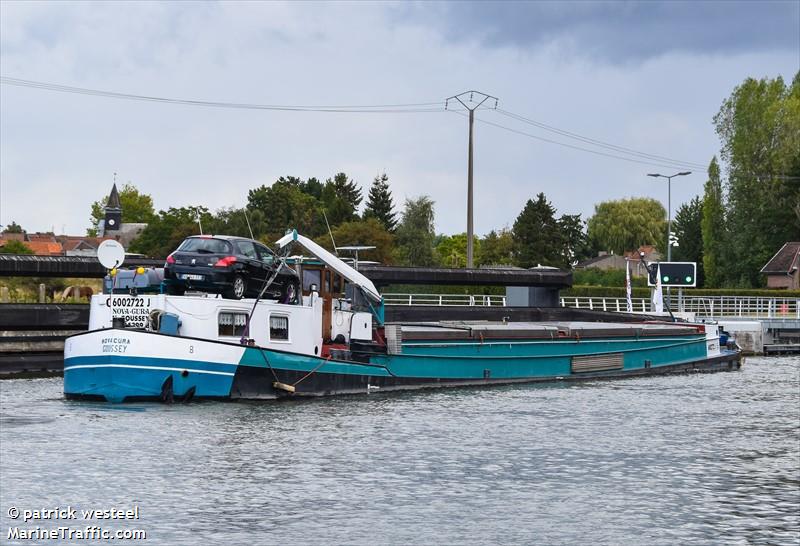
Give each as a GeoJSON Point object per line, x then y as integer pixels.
{"type": "Point", "coordinates": [380, 204]}
{"type": "Point", "coordinates": [537, 235]}
{"type": "Point", "coordinates": [341, 197]}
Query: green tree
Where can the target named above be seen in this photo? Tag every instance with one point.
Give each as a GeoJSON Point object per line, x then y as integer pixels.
{"type": "Point", "coordinates": [13, 227]}
{"type": "Point", "coordinates": [136, 207]}
{"type": "Point", "coordinates": [451, 251]}
{"type": "Point", "coordinates": [284, 206]}
{"type": "Point", "coordinates": [626, 224]}
{"type": "Point", "coordinates": [537, 235]}
{"type": "Point", "coordinates": [234, 221]}
{"type": "Point", "coordinates": [380, 204]}
{"type": "Point", "coordinates": [15, 247]}
{"type": "Point", "coordinates": [415, 233]}
{"type": "Point", "coordinates": [713, 228]}
{"type": "Point", "coordinates": [759, 127]}
{"type": "Point", "coordinates": [575, 242]}
{"type": "Point", "coordinates": [165, 232]}
{"type": "Point", "coordinates": [688, 229]}
{"type": "Point", "coordinates": [341, 197]}
{"type": "Point", "coordinates": [496, 248]}
{"type": "Point", "coordinates": [312, 187]}
{"type": "Point", "coordinates": [369, 232]}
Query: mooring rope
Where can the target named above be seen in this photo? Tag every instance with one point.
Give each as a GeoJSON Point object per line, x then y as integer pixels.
{"type": "Point", "coordinates": [264, 356]}
{"type": "Point", "coordinates": [312, 371]}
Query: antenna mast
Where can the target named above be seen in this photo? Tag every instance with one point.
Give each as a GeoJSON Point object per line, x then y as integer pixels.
{"type": "Point", "coordinates": [199, 223]}
{"type": "Point", "coordinates": [248, 223]}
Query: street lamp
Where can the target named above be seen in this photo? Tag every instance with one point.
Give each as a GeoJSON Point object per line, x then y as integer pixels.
{"type": "Point", "coordinates": [669, 207]}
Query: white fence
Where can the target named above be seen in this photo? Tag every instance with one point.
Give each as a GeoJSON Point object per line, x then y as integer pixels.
{"type": "Point", "coordinates": [702, 306]}
{"type": "Point", "coordinates": [618, 305]}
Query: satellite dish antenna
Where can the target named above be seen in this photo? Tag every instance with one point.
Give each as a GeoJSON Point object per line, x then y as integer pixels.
{"type": "Point", "coordinates": [111, 254]}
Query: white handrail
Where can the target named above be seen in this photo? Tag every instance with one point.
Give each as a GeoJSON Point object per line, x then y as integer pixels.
{"type": "Point", "coordinates": [703, 306]}
{"type": "Point", "coordinates": [472, 300]}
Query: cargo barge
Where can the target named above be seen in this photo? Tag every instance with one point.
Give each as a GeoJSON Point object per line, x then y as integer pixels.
{"type": "Point", "coordinates": [170, 347]}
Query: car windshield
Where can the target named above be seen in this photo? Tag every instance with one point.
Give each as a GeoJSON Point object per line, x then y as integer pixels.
{"type": "Point", "coordinates": [205, 245]}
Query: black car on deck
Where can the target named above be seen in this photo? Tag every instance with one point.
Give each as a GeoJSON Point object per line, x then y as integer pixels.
{"type": "Point", "coordinates": [233, 266]}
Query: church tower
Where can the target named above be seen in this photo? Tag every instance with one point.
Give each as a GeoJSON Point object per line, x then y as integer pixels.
{"type": "Point", "coordinates": [113, 214]}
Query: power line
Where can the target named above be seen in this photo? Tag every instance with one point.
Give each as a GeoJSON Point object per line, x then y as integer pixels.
{"type": "Point", "coordinates": [751, 176]}
{"type": "Point", "coordinates": [567, 145]}
{"type": "Point", "coordinates": [362, 108]}
{"type": "Point", "coordinates": [419, 107]}
{"type": "Point", "coordinates": [600, 143]}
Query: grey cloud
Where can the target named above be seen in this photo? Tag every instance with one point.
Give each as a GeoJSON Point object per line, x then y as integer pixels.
{"type": "Point", "coordinates": [620, 32]}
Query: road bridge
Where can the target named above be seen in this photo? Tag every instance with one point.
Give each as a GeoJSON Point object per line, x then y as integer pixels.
{"type": "Point", "coordinates": [18, 265]}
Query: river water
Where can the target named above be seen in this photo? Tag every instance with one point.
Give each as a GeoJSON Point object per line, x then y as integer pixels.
{"type": "Point", "coordinates": [704, 459]}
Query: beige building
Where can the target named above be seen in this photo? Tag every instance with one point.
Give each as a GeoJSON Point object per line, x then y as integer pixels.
{"type": "Point", "coordinates": [606, 261]}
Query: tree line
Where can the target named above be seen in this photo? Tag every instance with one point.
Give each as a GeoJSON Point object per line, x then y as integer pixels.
{"type": "Point", "coordinates": [750, 204]}
{"type": "Point", "coordinates": [329, 212]}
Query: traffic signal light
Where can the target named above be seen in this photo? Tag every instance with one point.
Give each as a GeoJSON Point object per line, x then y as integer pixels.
{"type": "Point", "coordinates": [674, 274]}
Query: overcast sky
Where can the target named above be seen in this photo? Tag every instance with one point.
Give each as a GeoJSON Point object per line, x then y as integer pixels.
{"type": "Point", "coordinates": [647, 76]}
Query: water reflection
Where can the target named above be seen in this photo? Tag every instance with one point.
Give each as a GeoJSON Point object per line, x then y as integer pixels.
{"type": "Point", "coordinates": [664, 460]}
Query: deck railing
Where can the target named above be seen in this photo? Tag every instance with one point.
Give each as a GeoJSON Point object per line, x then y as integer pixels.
{"type": "Point", "coordinates": [482, 300]}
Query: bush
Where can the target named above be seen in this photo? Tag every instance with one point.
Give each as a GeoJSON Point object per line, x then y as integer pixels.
{"type": "Point", "coordinates": [600, 277]}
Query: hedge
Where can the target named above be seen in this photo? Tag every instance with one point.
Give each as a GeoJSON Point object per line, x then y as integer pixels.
{"type": "Point", "coordinates": [619, 292]}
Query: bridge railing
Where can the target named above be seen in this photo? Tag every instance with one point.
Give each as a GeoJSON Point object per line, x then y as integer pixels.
{"type": "Point", "coordinates": [482, 300]}
{"type": "Point", "coordinates": [618, 305]}
{"type": "Point", "coordinates": [756, 307]}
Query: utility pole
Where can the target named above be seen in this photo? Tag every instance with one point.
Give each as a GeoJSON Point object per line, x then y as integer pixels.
{"type": "Point", "coordinates": [474, 99]}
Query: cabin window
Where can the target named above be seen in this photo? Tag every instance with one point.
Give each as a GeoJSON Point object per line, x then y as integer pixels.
{"type": "Point", "coordinates": [232, 324]}
{"type": "Point", "coordinates": [278, 328]}
{"type": "Point", "coordinates": [337, 284]}
{"type": "Point", "coordinates": [311, 276]}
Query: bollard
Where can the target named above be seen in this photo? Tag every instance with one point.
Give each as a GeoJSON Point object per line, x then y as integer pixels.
{"type": "Point", "coordinates": [4, 294]}
{"type": "Point", "coordinates": [42, 293]}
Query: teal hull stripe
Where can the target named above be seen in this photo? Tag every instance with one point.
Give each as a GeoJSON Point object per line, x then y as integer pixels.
{"type": "Point", "coordinates": [147, 362]}
{"type": "Point", "coordinates": [146, 367]}
{"type": "Point", "coordinates": [253, 357]}
{"type": "Point", "coordinates": [465, 364]}
{"type": "Point", "coordinates": [501, 360]}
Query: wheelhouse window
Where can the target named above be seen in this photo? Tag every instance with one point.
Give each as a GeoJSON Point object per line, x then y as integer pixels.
{"type": "Point", "coordinates": [278, 328]}
{"type": "Point", "coordinates": [232, 324]}
{"type": "Point", "coordinates": [311, 276]}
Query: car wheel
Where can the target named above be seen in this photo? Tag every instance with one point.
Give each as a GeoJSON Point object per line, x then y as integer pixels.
{"type": "Point", "coordinates": [289, 292]}
{"type": "Point", "coordinates": [238, 288]}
